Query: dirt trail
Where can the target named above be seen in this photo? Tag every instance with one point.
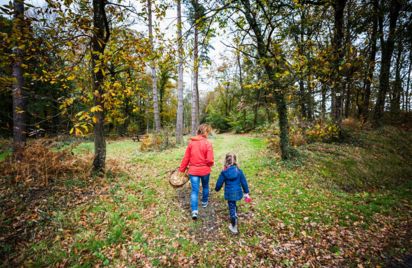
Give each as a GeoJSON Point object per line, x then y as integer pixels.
{"type": "Point", "coordinates": [211, 219]}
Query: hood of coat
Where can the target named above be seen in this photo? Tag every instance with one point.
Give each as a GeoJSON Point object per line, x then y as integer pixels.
{"type": "Point", "coordinates": [197, 138]}
{"type": "Point", "coordinates": [231, 172]}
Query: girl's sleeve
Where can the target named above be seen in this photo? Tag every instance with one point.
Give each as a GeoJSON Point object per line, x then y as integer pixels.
{"type": "Point", "coordinates": [243, 182]}
{"type": "Point", "coordinates": [186, 159]}
{"type": "Point", "coordinates": [219, 182]}
{"type": "Point", "coordinates": [209, 155]}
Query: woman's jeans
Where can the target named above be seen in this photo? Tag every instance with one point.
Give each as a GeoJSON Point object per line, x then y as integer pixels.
{"type": "Point", "coordinates": [195, 181]}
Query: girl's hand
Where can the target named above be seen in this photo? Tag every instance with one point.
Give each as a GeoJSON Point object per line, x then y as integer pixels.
{"type": "Point", "coordinates": [247, 198]}
{"type": "Point", "coordinates": [246, 195]}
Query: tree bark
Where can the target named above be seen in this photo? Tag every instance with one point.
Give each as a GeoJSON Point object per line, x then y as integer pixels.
{"type": "Point", "coordinates": [100, 38]}
{"type": "Point", "coordinates": [19, 103]}
{"type": "Point", "coordinates": [153, 71]}
{"type": "Point", "coordinates": [179, 116]}
{"type": "Point", "coordinates": [387, 51]}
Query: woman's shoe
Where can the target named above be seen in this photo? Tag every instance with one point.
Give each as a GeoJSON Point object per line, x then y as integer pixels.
{"type": "Point", "coordinates": [194, 215]}
{"type": "Point", "coordinates": [204, 204]}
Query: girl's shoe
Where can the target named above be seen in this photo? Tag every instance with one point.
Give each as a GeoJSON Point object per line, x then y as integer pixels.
{"type": "Point", "coordinates": [194, 215]}
{"type": "Point", "coordinates": [233, 228]}
{"type": "Point", "coordinates": [204, 204]}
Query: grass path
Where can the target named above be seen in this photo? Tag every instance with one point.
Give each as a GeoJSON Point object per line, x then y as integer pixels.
{"type": "Point", "coordinates": [137, 219]}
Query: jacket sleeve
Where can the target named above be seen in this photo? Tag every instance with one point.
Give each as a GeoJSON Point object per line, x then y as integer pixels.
{"type": "Point", "coordinates": [209, 155]}
{"type": "Point", "coordinates": [243, 182]}
{"type": "Point", "coordinates": [186, 158]}
{"type": "Point", "coordinates": [219, 182]}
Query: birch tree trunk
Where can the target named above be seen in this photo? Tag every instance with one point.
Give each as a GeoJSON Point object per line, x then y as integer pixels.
{"type": "Point", "coordinates": [19, 107]}
{"type": "Point", "coordinates": [179, 116]}
{"type": "Point", "coordinates": [195, 89]}
{"type": "Point", "coordinates": [153, 71]}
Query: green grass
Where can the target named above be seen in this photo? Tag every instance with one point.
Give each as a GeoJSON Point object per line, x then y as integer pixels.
{"type": "Point", "coordinates": [4, 154]}
{"type": "Point", "coordinates": [330, 184]}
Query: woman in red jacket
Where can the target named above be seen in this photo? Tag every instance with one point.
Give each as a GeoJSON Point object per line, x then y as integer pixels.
{"type": "Point", "coordinates": [199, 158]}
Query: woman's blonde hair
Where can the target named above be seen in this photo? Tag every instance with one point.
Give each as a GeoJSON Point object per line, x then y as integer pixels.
{"type": "Point", "coordinates": [204, 129]}
{"type": "Point", "coordinates": [230, 160]}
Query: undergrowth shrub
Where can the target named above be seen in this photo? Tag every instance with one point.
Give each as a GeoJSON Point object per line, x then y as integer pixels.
{"type": "Point", "coordinates": [322, 132]}
{"type": "Point", "coordinates": [301, 133]}
{"type": "Point", "coordinates": [157, 142]}
{"type": "Point", "coordinates": [39, 165]}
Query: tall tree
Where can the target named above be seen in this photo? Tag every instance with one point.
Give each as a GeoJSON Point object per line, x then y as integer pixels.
{"type": "Point", "coordinates": [387, 51]}
{"type": "Point", "coordinates": [101, 35]}
{"type": "Point", "coordinates": [259, 18]}
{"type": "Point", "coordinates": [363, 105]}
{"type": "Point", "coordinates": [179, 116]}
{"type": "Point", "coordinates": [19, 109]}
{"type": "Point", "coordinates": [338, 51]}
{"type": "Point", "coordinates": [195, 87]}
{"type": "Point", "coordinates": [153, 70]}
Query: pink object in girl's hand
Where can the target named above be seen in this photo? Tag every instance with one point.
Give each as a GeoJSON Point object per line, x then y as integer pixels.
{"type": "Point", "coordinates": [248, 199]}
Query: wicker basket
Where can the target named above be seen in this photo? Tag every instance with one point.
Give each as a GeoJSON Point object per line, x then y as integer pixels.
{"type": "Point", "coordinates": [178, 179]}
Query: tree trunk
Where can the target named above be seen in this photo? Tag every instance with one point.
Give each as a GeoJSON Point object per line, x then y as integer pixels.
{"type": "Point", "coordinates": [309, 99]}
{"type": "Point", "coordinates": [242, 90]}
{"type": "Point", "coordinates": [101, 35]}
{"type": "Point", "coordinates": [408, 83]}
{"type": "Point", "coordinates": [302, 99]}
{"type": "Point", "coordinates": [195, 89]}
{"type": "Point", "coordinates": [339, 7]}
{"type": "Point", "coordinates": [364, 106]}
{"type": "Point", "coordinates": [323, 103]}
{"type": "Point", "coordinates": [387, 51]}
{"type": "Point", "coordinates": [19, 103]}
{"type": "Point", "coordinates": [179, 116]}
{"type": "Point", "coordinates": [256, 108]}
{"type": "Point", "coordinates": [153, 70]}
{"type": "Point", "coordinates": [397, 87]}
{"type": "Point", "coordinates": [348, 96]}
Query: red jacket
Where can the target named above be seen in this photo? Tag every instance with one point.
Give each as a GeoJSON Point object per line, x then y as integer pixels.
{"type": "Point", "coordinates": [198, 156]}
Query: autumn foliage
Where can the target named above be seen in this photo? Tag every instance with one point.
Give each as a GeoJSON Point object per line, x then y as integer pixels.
{"type": "Point", "coordinates": [39, 165]}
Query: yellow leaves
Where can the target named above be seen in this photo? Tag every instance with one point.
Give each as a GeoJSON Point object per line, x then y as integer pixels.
{"type": "Point", "coordinates": [71, 77]}
{"type": "Point", "coordinates": [66, 103]}
{"type": "Point", "coordinates": [96, 108]}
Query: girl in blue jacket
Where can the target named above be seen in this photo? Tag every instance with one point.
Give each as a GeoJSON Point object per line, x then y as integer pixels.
{"type": "Point", "coordinates": [234, 181]}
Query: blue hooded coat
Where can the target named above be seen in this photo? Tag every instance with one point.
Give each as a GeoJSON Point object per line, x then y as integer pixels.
{"type": "Point", "coordinates": [234, 181]}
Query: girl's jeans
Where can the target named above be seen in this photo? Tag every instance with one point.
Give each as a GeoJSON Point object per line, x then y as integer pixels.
{"type": "Point", "coordinates": [195, 181]}
{"type": "Point", "coordinates": [232, 211]}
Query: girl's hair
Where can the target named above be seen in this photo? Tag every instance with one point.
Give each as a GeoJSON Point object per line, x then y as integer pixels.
{"type": "Point", "coordinates": [204, 129]}
{"type": "Point", "coordinates": [230, 160]}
